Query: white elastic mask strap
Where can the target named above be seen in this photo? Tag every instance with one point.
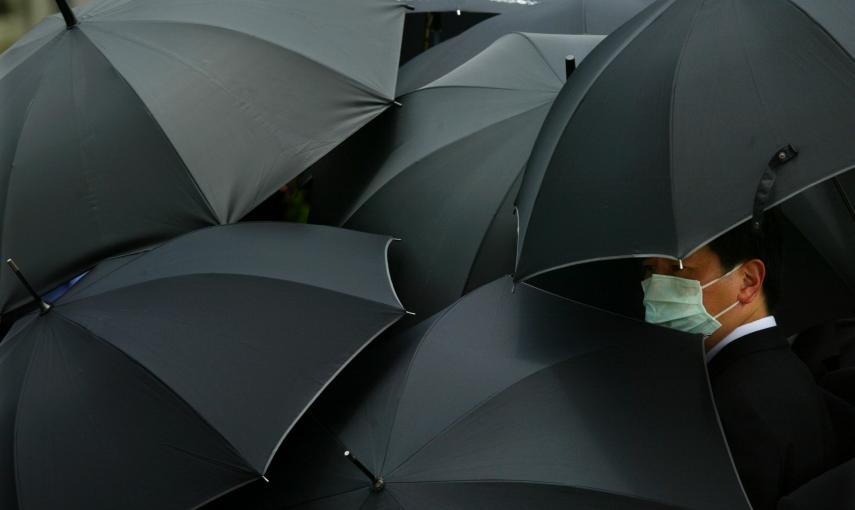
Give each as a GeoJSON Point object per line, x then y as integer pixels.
{"type": "Point", "coordinates": [722, 277]}
{"type": "Point", "coordinates": [729, 308]}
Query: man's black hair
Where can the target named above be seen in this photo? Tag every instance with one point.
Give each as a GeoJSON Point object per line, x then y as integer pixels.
{"type": "Point", "coordinates": [747, 242]}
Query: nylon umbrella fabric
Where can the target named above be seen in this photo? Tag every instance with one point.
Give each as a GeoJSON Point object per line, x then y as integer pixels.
{"type": "Point", "coordinates": [166, 378]}
{"type": "Point", "coordinates": [512, 398]}
{"type": "Point", "coordinates": [725, 94]}
{"type": "Point", "coordinates": [593, 17]}
{"type": "Point", "coordinates": [152, 118]}
{"type": "Point", "coordinates": [488, 6]}
{"type": "Point", "coordinates": [442, 171]}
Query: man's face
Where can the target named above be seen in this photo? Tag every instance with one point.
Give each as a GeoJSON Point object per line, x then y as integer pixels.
{"type": "Point", "coordinates": [703, 266]}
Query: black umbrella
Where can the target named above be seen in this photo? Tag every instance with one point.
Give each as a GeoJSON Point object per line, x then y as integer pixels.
{"type": "Point", "coordinates": [166, 378]}
{"type": "Point", "coordinates": [734, 107]}
{"type": "Point", "coordinates": [547, 17]}
{"type": "Point", "coordinates": [441, 173]}
{"type": "Point", "coordinates": [147, 119]}
{"type": "Point", "coordinates": [511, 399]}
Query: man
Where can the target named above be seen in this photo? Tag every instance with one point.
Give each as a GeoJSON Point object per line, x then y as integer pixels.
{"type": "Point", "coordinates": [773, 414]}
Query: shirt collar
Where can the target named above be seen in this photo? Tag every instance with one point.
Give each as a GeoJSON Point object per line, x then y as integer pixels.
{"type": "Point", "coordinates": [741, 331]}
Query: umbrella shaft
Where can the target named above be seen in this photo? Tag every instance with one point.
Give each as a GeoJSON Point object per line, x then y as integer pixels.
{"type": "Point", "coordinates": [67, 13]}
{"type": "Point", "coordinates": [15, 269]}
{"type": "Point", "coordinates": [374, 480]}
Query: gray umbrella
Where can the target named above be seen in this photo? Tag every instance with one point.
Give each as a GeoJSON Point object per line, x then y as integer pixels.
{"type": "Point", "coordinates": [490, 6]}
{"type": "Point", "coordinates": [441, 172]}
{"type": "Point", "coordinates": [549, 17]}
{"type": "Point", "coordinates": [166, 378]}
{"type": "Point", "coordinates": [150, 118]}
{"type": "Point", "coordinates": [511, 399]}
{"type": "Point", "coordinates": [734, 107]}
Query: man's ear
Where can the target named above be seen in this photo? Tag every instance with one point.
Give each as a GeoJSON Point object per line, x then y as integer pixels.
{"type": "Point", "coordinates": [753, 273]}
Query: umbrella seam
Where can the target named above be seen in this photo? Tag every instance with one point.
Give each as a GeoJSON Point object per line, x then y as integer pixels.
{"type": "Point", "coordinates": [403, 387]}
{"type": "Point", "coordinates": [324, 387]}
{"type": "Point", "coordinates": [622, 46]}
{"type": "Point", "coordinates": [821, 27]}
{"type": "Point", "coordinates": [249, 276]}
{"type": "Point", "coordinates": [90, 197]}
{"type": "Point", "coordinates": [145, 252]}
{"type": "Point", "coordinates": [353, 81]}
{"type": "Point", "coordinates": [22, 46]}
{"type": "Point", "coordinates": [360, 202]}
{"type": "Point", "coordinates": [543, 57]}
{"type": "Point", "coordinates": [505, 197]}
{"type": "Point", "coordinates": [36, 92]}
{"type": "Point", "coordinates": [161, 132]}
{"type": "Point", "coordinates": [492, 396]}
{"type": "Point", "coordinates": [674, 84]}
{"type": "Point", "coordinates": [583, 488]}
{"type": "Point", "coordinates": [321, 498]}
{"type": "Point", "coordinates": [17, 414]}
{"type": "Point", "coordinates": [169, 389]}
{"type": "Point", "coordinates": [223, 493]}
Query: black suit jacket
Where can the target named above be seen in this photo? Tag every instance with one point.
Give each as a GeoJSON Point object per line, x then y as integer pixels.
{"type": "Point", "coordinates": [774, 416]}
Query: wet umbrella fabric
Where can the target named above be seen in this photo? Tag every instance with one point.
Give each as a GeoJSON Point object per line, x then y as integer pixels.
{"type": "Point", "coordinates": [152, 118]}
{"type": "Point", "coordinates": [441, 172]}
{"type": "Point", "coordinates": [720, 90]}
{"type": "Point", "coordinates": [512, 399]}
{"type": "Point", "coordinates": [166, 378]}
{"type": "Point", "coordinates": [549, 17]}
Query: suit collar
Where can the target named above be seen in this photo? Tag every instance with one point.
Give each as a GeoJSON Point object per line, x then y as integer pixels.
{"type": "Point", "coordinates": [763, 340]}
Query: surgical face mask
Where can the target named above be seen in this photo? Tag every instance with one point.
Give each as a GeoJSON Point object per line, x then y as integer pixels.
{"type": "Point", "coordinates": [678, 303]}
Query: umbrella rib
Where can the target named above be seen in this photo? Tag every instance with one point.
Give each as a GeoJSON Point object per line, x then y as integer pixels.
{"type": "Point", "coordinates": [17, 414]}
{"type": "Point", "coordinates": [517, 180]}
{"type": "Point", "coordinates": [560, 79]}
{"type": "Point", "coordinates": [671, 108]}
{"type": "Point", "coordinates": [484, 401]}
{"type": "Point", "coordinates": [617, 51]}
{"type": "Point", "coordinates": [166, 139]}
{"type": "Point", "coordinates": [192, 410]}
{"type": "Point", "coordinates": [406, 379]}
{"type": "Point", "coordinates": [583, 488]}
{"type": "Point", "coordinates": [398, 311]}
{"type": "Point", "coordinates": [822, 27]}
{"type": "Point", "coordinates": [321, 498]}
{"type": "Point", "coordinates": [36, 91]}
{"type": "Point", "coordinates": [363, 199]}
{"type": "Point", "coordinates": [321, 390]}
{"type": "Point", "coordinates": [25, 45]}
{"type": "Point", "coordinates": [358, 84]}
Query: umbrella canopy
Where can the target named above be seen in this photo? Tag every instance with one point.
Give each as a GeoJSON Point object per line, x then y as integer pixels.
{"type": "Point", "coordinates": [548, 17]}
{"type": "Point", "coordinates": [509, 399]}
{"type": "Point", "coordinates": [149, 119]}
{"type": "Point", "coordinates": [441, 173]}
{"type": "Point", "coordinates": [490, 6]}
{"type": "Point", "coordinates": [166, 378]}
{"type": "Point", "coordinates": [735, 106]}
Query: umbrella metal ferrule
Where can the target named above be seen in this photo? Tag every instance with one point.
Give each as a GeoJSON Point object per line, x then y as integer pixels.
{"type": "Point", "coordinates": [45, 308]}
{"type": "Point", "coordinates": [398, 103]}
{"type": "Point", "coordinates": [377, 483]}
{"type": "Point", "coordinates": [265, 479]}
{"type": "Point", "coordinates": [67, 13]}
